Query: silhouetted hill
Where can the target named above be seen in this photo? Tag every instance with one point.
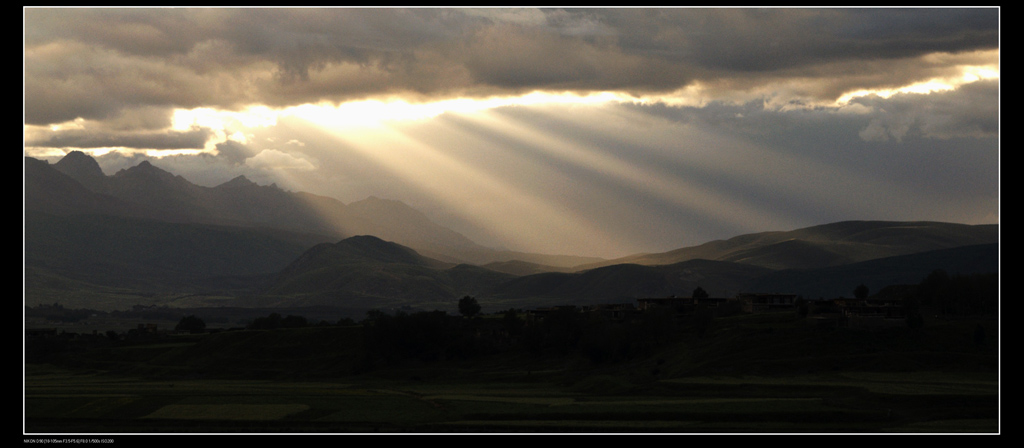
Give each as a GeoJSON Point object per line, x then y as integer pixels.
{"type": "Point", "coordinates": [475, 280]}
{"type": "Point", "coordinates": [826, 245]}
{"type": "Point", "coordinates": [558, 262]}
{"type": "Point", "coordinates": [532, 286]}
{"type": "Point", "coordinates": [148, 231]}
{"type": "Point", "coordinates": [166, 196]}
{"type": "Point", "coordinates": [362, 250]}
{"type": "Point", "coordinates": [84, 169]}
{"type": "Point", "coordinates": [373, 273]}
{"type": "Point", "coordinates": [51, 191]}
{"type": "Point", "coordinates": [394, 221]}
{"type": "Point", "coordinates": [142, 253]}
{"type": "Point", "coordinates": [839, 281]}
{"type": "Point", "coordinates": [520, 267]}
{"type": "Point", "coordinates": [627, 282]}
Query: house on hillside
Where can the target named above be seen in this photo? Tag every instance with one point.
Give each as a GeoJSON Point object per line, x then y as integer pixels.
{"type": "Point", "coordinates": [688, 305]}
{"type": "Point", "coordinates": [537, 314]}
{"type": "Point", "coordinates": [664, 302]}
{"type": "Point", "coordinates": [712, 302]}
{"type": "Point", "coordinates": [765, 302]}
{"type": "Point", "coordinates": [873, 313]}
{"type": "Point", "coordinates": [613, 311]}
{"type": "Point", "coordinates": [860, 313]}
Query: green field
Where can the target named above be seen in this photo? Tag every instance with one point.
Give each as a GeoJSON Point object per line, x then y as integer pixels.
{"type": "Point", "coordinates": [312, 380]}
{"type": "Point", "coordinates": [59, 401]}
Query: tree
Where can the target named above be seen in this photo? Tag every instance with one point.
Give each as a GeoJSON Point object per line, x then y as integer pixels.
{"type": "Point", "coordinates": [468, 306]}
{"type": "Point", "coordinates": [191, 324]}
{"type": "Point", "coordinates": [861, 291]}
{"type": "Point", "coordinates": [374, 315]}
{"type": "Point", "coordinates": [266, 323]}
{"type": "Point", "coordinates": [700, 293]}
{"type": "Point", "coordinates": [293, 322]}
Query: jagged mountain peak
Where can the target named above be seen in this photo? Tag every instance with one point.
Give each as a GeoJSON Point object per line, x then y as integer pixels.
{"type": "Point", "coordinates": [160, 194]}
{"type": "Point", "coordinates": [239, 181]}
{"type": "Point", "coordinates": [81, 167]}
{"type": "Point", "coordinates": [78, 158]}
{"type": "Point", "coordinates": [145, 169]}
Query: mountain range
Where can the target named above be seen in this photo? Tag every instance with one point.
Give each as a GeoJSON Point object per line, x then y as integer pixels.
{"type": "Point", "coordinates": [145, 232]}
{"type": "Point", "coordinates": [76, 186]}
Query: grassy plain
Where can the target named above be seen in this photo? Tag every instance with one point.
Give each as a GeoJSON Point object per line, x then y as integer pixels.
{"type": "Point", "coordinates": [309, 381]}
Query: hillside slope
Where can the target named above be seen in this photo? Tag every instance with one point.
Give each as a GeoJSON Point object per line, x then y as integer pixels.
{"type": "Point", "coordinates": [75, 185]}
{"type": "Point", "coordinates": [825, 245]}
{"type": "Point", "coordinates": [377, 274]}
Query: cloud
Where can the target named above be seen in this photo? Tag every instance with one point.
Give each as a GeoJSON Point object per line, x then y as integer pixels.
{"type": "Point", "coordinates": [970, 111]}
{"type": "Point", "coordinates": [234, 152]}
{"type": "Point", "coordinates": [272, 159]}
{"type": "Point", "coordinates": [194, 138]}
{"type": "Point", "coordinates": [714, 121]}
{"type": "Point", "coordinates": [92, 62]}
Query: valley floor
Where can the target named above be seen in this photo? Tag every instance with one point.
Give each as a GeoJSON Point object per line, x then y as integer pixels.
{"type": "Point", "coordinates": [748, 374]}
{"type": "Point", "coordinates": [63, 402]}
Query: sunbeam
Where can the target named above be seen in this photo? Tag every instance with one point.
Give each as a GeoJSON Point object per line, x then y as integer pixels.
{"type": "Point", "coordinates": [512, 213]}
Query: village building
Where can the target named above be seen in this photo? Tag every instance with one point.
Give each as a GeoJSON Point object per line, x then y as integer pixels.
{"type": "Point", "coordinates": [613, 311]}
{"type": "Point", "coordinates": [765, 302]}
{"type": "Point", "coordinates": [537, 314]}
{"type": "Point", "coordinates": [664, 302]}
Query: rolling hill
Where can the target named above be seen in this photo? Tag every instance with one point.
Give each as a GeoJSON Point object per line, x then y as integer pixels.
{"type": "Point", "coordinates": [377, 274]}
{"type": "Point", "coordinates": [825, 245]}
{"type": "Point", "coordinates": [839, 281]}
{"type": "Point", "coordinates": [150, 232]}
{"type": "Point", "coordinates": [626, 282]}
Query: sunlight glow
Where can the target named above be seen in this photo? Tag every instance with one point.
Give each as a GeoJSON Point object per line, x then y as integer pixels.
{"type": "Point", "coordinates": [671, 189]}
{"type": "Point", "coordinates": [251, 117]}
{"type": "Point", "coordinates": [76, 124]}
{"type": "Point", "coordinates": [373, 113]}
{"type": "Point", "coordinates": [46, 152]}
{"type": "Point", "coordinates": [968, 74]}
{"type": "Point", "coordinates": [514, 214]}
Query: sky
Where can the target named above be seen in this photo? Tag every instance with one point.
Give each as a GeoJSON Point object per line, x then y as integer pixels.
{"type": "Point", "coordinates": [596, 132]}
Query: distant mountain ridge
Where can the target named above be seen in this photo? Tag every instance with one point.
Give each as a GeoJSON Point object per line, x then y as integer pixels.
{"type": "Point", "coordinates": [50, 191]}
{"type": "Point", "coordinates": [825, 245]}
{"type": "Point", "coordinates": [839, 281]}
{"type": "Point", "coordinates": [365, 271]}
{"type": "Point", "coordinates": [76, 185]}
{"type": "Point", "coordinates": [113, 251]}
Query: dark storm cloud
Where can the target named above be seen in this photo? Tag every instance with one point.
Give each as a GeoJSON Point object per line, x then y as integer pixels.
{"type": "Point", "coordinates": [92, 62]}
{"type": "Point", "coordinates": [778, 39]}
